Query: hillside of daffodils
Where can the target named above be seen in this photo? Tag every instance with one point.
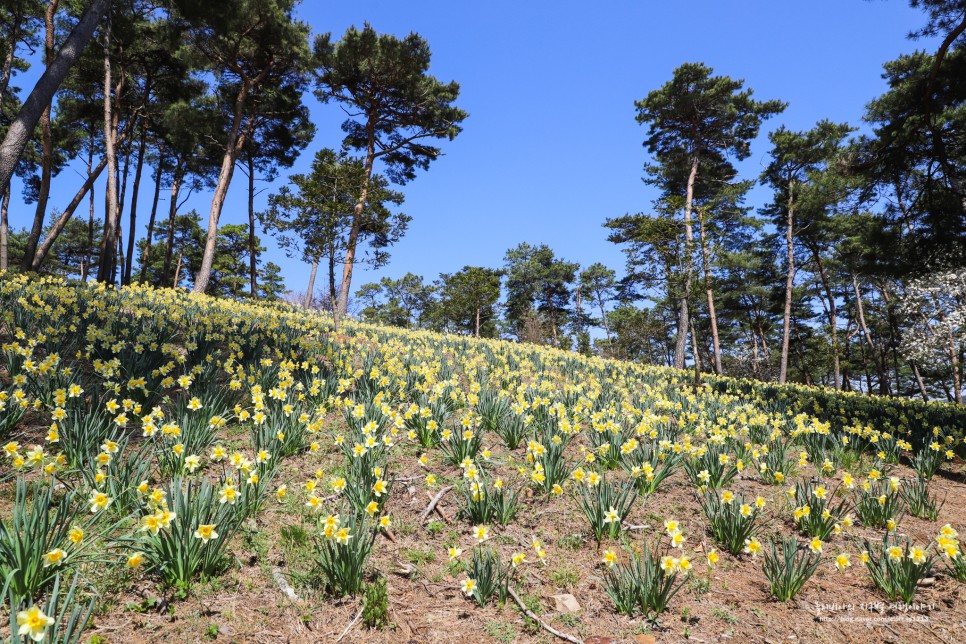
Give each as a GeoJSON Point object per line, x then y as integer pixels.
{"type": "Point", "coordinates": [182, 468]}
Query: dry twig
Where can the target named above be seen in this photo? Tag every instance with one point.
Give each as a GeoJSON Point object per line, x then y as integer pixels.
{"type": "Point", "coordinates": [529, 613]}
{"type": "Point", "coordinates": [432, 504]}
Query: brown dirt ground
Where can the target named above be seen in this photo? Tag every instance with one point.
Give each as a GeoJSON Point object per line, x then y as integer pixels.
{"type": "Point", "coordinates": [427, 605]}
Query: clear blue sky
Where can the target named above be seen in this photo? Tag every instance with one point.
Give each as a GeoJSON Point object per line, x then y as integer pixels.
{"type": "Point", "coordinates": [551, 147]}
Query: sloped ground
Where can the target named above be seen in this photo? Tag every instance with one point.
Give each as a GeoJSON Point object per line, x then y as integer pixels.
{"type": "Point", "coordinates": [730, 601]}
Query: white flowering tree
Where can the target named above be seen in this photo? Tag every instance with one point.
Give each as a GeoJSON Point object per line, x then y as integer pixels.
{"type": "Point", "coordinates": [935, 307]}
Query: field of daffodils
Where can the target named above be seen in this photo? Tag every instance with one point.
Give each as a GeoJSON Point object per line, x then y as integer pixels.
{"type": "Point", "coordinates": [181, 468]}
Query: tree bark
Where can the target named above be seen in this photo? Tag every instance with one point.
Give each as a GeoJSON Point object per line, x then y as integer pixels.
{"type": "Point", "coordinates": [310, 291]}
{"type": "Point", "coordinates": [89, 246]}
{"type": "Point", "coordinates": [787, 316]}
{"type": "Point", "coordinates": [919, 382]}
{"type": "Point", "coordinates": [132, 222]}
{"type": "Point", "coordinates": [603, 317]}
{"type": "Point", "coordinates": [47, 146]}
{"type": "Point", "coordinates": [252, 257]}
{"type": "Point", "coordinates": [177, 269]}
{"type": "Point", "coordinates": [832, 317]}
{"type": "Point", "coordinates": [65, 216]}
{"type": "Point", "coordinates": [873, 349]}
{"type": "Point", "coordinates": [350, 251]}
{"type": "Point", "coordinates": [954, 358]}
{"type": "Point", "coordinates": [478, 324]}
{"type": "Point", "coordinates": [7, 72]}
{"type": "Point", "coordinates": [43, 92]}
{"type": "Point", "coordinates": [706, 260]}
{"type": "Point", "coordinates": [105, 265]}
{"type": "Point", "coordinates": [681, 343]}
{"type": "Point", "coordinates": [233, 145]}
{"type": "Point", "coordinates": [4, 228]}
{"type": "Point", "coordinates": [146, 255]}
{"type": "Point", "coordinates": [58, 226]}
{"type": "Point", "coordinates": [172, 213]}
{"type": "Point", "coordinates": [577, 343]}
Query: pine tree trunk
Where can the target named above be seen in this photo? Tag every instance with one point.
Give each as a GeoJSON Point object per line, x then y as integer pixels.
{"type": "Point", "coordinates": [232, 147]}
{"type": "Point", "coordinates": [65, 216]}
{"type": "Point", "coordinates": [252, 257]}
{"type": "Point", "coordinates": [350, 250]}
{"type": "Point", "coordinates": [832, 316]}
{"type": "Point", "coordinates": [478, 322]}
{"type": "Point", "coordinates": [332, 293]}
{"type": "Point", "coordinates": [603, 317]}
{"type": "Point", "coordinates": [146, 255]}
{"type": "Point", "coordinates": [684, 323]}
{"type": "Point", "coordinates": [553, 322]}
{"type": "Point", "coordinates": [107, 259]}
{"type": "Point", "coordinates": [6, 73]}
{"type": "Point", "coordinates": [47, 147]}
{"type": "Point", "coordinates": [954, 359]}
{"type": "Point", "coordinates": [709, 290]}
{"type": "Point", "coordinates": [58, 226]}
{"type": "Point", "coordinates": [755, 359]}
{"type": "Point", "coordinates": [311, 288]}
{"type": "Point", "coordinates": [577, 343]}
{"type": "Point", "coordinates": [919, 382]}
{"type": "Point", "coordinates": [697, 356]}
{"type": "Point", "coordinates": [860, 309]}
{"type": "Point", "coordinates": [4, 229]}
{"type": "Point", "coordinates": [169, 242]}
{"type": "Point", "coordinates": [89, 246]}
{"type": "Point", "coordinates": [177, 269]}
{"type": "Point", "coordinates": [119, 233]}
{"type": "Point", "coordinates": [787, 316]}
{"type": "Point", "coordinates": [132, 223]}
{"type": "Point", "coordinates": [20, 131]}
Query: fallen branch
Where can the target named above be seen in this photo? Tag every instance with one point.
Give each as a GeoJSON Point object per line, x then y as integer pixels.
{"type": "Point", "coordinates": [351, 624]}
{"type": "Point", "coordinates": [531, 615]}
{"type": "Point", "coordinates": [432, 504]}
{"type": "Point", "coordinates": [283, 584]}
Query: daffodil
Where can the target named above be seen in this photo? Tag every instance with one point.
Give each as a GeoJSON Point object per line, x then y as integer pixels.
{"type": "Point", "coordinates": [206, 532]}
{"type": "Point", "coordinates": [610, 558]}
{"type": "Point", "coordinates": [842, 561]}
{"type": "Point", "coordinates": [33, 623]}
{"type": "Point", "coordinates": [54, 558]}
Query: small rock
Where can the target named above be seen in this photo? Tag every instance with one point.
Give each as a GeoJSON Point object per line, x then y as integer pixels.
{"type": "Point", "coordinates": [928, 581]}
{"type": "Point", "coordinates": [565, 603]}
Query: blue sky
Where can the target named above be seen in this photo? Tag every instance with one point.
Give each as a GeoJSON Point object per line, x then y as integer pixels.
{"type": "Point", "coordinates": [551, 147]}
